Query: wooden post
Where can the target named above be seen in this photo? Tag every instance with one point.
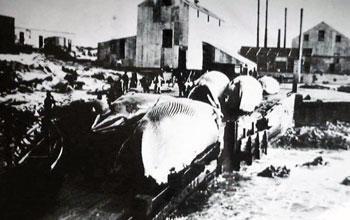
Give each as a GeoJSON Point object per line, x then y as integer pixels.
{"type": "Point", "coordinates": [249, 151]}
{"type": "Point", "coordinates": [256, 147]}
{"type": "Point", "coordinates": [264, 143]}
{"type": "Point", "coordinates": [229, 147]}
{"type": "Point", "coordinates": [237, 151]}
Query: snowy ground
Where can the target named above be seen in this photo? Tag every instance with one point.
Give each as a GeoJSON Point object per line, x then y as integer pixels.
{"type": "Point", "coordinates": [308, 193]}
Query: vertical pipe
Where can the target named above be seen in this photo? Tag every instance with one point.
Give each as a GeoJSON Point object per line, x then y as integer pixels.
{"type": "Point", "coordinates": [298, 73]}
{"type": "Point", "coordinates": [279, 38]}
{"type": "Point", "coordinates": [285, 28]}
{"type": "Point", "coordinates": [258, 27]}
{"type": "Point", "coordinates": [266, 16]}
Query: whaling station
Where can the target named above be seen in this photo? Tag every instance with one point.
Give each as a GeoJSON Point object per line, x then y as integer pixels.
{"type": "Point", "coordinates": [159, 149]}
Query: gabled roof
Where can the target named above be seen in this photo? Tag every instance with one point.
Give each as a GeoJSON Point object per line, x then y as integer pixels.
{"type": "Point", "coordinates": [323, 24]}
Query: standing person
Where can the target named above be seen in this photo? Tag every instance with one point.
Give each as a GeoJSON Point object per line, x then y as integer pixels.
{"type": "Point", "coordinates": [181, 84]}
{"type": "Point", "coordinates": [125, 79]}
{"type": "Point", "coordinates": [157, 83]}
{"type": "Point", "coordinates": [133, 81]}
{"type": "Point", "coordinates": [143, 82]}
{"type": "Point", "coordinates": [49, 104]}
{"type": "Point", "coordinates": [245, 70]}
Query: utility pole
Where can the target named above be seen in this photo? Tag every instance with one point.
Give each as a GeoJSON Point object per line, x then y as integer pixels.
{"type": "Point", "coordinates": [258, 27]}
{"type": "Point", "coordinates": [299, 71]}
{"type": "Point", "coordinates": [279, 39]}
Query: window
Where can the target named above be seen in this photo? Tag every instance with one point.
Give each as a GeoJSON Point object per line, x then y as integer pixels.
{"type": "Point", "coordinates": [197, 13]}
{"type": "Point", "coordinates": [167, 2]}
{"type": "Point", "coordinates": [306, 37]}
{"type": "Point", "coordinates": [321, 35]}
{"type": "Point", "coordinates": [208, 18]}
{"type": "Point", "coordinates": [122, 49]}
{"type": "Point", "coordinates": [167, 38]}
{"type": "Point", "coordinates": [338, 38]}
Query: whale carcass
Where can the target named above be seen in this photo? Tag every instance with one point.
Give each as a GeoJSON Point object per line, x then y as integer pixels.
{"type": "Point", "coordinates": [127, 109]}
{"type": "Point", "coordinates": [169, 136]}
{"type": "Point", "coordinates": [243, 95]}
{"type": "Point", "coordinates": [269, 85]}
{"type": "Point", "coordinates": [209, 88]}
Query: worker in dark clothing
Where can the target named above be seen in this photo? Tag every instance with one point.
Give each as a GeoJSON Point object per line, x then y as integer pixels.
{"type": "Point", "coordinates": [245, 70]}
{"type": "Point", "coordinates": [145, 84]}
{"type": "Point", "coordinates": [49, 104]}
{"type": "Point", "coordinates": [125, 79]}
{"type": "Point", "coordinates": [115, 91]}
{"type": "Point", "coordinates": [133, 80]}
{"type": "Point", "coordinates": [181, 84]}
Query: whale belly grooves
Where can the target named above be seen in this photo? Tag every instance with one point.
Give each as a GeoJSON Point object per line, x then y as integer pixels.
{"type": "Point", "coordinates": [173, 134]}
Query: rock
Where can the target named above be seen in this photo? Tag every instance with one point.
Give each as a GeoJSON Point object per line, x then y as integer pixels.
{"type": "Point", "coordinates": [346, 181]}
{"type": "Point", "coordinates": [271, 172]}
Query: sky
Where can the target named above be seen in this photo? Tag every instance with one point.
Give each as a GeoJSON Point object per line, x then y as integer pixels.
{"type": "Point", "coordinates": [94, 21]}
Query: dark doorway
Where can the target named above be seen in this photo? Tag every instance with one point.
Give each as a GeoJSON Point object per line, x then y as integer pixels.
{"type": "Point", "coordinates": [167, 38]}
{"type": "Point", "coordinates": [21, 37]}
{"type": "Point", "coordinates": [41, 41]}
{"type": "Point", "coordinates": [122, 49]}
{"type": "Point", "coordinates": [182, 58]}
{"type": "Point", "coordinates": [331, 67]}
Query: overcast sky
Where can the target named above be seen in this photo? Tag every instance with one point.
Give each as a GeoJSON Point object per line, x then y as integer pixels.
{"type": "Point", "coordinates": [98, 20]}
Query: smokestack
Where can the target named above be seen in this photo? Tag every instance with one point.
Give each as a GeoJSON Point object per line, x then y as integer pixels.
{"type": "Point", "coordinates": [258, 27]}
{"type": "Point", "coordinates": [279, 38]}
{"type": "Point", "coordinates": [285, 28]}
{"type": "Point", "coordinates": [266, 16]}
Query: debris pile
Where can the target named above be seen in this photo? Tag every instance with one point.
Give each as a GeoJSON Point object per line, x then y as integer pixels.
{"type": "Point", "coordinates": [272, 172]}
{"type": "Point", "coordinates": [330, 136]}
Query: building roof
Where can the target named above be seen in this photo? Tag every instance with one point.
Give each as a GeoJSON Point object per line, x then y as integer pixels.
{"type": "Point", "coordinates": [201, 9]}
{"type": "Point", "coordinates": [189, 3]}
{"type": "Point", "coordinates": [253, 52]}
{"type": "Point", "coordinates": [324, 25]}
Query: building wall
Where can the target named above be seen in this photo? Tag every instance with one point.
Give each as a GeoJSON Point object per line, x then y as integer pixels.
{"type": "Point", "coordinates": [149, 46]}
{"type": "Point", "coordinates": [109, 53]}
{"type": "Point", "coordinates": [7, 33]}
{"type": "Point", "coordinates": [328, 56]}
{"type": "Point", "coordinates": [199, 31]}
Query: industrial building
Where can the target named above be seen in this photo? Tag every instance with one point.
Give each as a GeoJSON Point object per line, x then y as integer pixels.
{"type": "Point", "coordinates": [35, 38]}
{"type": "Point", "coordinates": [7, 34]}
{"type": "Point", "coordinates": [330, 49]}
{"type": "Point", "coordinates": [175, 34]}
{"type": "Point", "coordinates": [117, 52]}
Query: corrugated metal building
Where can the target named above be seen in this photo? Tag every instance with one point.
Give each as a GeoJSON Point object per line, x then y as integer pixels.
{"type": "Point", "coordinates": [174, 34]}
{"type": "Point", "coordinates": [330, 49]}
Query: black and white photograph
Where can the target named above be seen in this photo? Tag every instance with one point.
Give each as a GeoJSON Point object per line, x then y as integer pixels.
{"type": "Point", "coordinates": [175, 109]}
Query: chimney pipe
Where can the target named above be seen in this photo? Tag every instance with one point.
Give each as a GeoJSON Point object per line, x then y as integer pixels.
{"type": "Point", "coordinates": [285, 28]}
{"type": "Point", "coordinates": [266, 16]}
{"type": "Point", "coordinates": [258, 27]}
{"type": "Point", "coordinates": [279, 39]}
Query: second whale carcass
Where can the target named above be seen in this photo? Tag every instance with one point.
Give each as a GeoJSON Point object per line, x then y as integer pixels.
{"type": "Point", "coordinates": [169, 137]}
{"type": "Point", "coordinates": [243, 95]}
{"type": "Point", "coordinates": [209, 88]}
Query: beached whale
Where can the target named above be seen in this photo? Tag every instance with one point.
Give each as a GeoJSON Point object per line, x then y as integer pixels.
{"type": "Point", "coordinates": [270, 85]}
{"type": "Point", "coordinates": [169, 136]}
{"type": "Point", "coordinates": [209, 88]}
{"type": "Point", "coordinates": [243, 95]}
{"type": "Point", "coordinates": [127, 109]}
